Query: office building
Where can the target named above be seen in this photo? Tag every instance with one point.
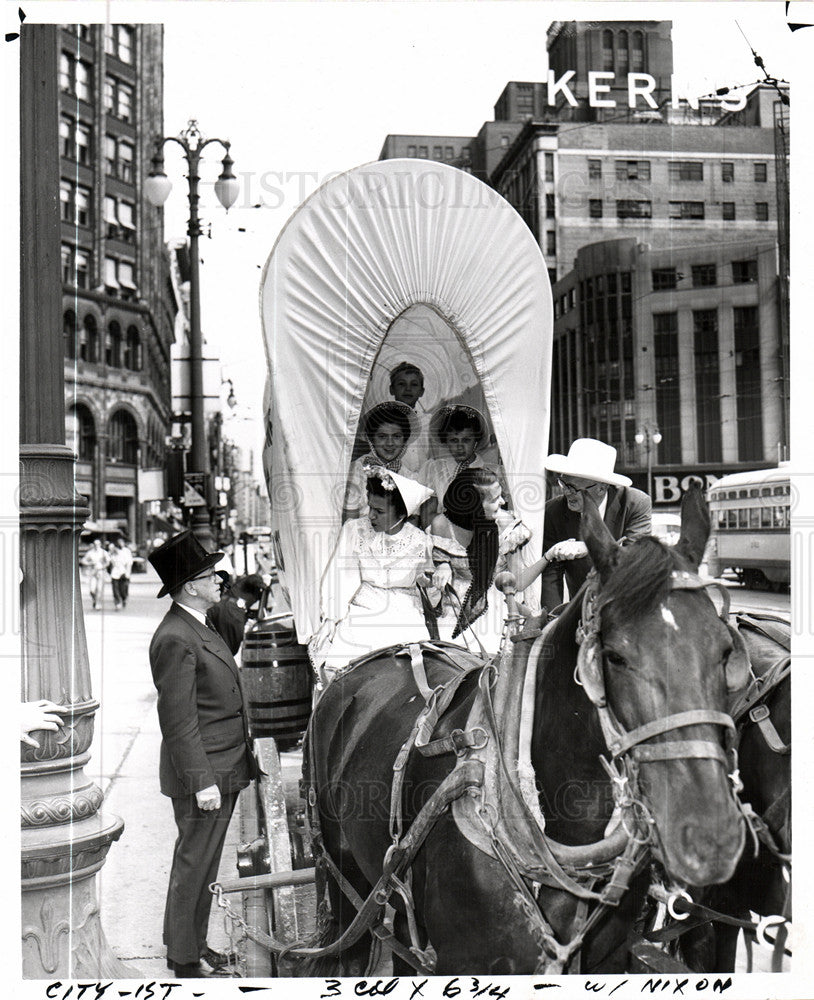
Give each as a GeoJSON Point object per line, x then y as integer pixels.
{"type": "Point", "coordinates": [118, 301]}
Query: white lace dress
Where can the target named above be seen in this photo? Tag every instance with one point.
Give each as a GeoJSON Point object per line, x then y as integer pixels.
{"type": "Point", "coordinates": [369, 589]}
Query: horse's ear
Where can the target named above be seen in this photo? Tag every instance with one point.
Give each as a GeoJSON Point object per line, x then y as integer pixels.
{"type": "Point", "coordinates": [601, 544]}
{"type": "Point", "coordinates": [694, 524]}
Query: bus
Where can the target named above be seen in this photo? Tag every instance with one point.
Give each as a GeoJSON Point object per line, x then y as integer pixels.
{"type": "Point", "coordinates": [751, 527]}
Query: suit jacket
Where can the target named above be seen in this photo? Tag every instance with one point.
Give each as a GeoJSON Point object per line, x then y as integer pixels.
{"type": "Point", "coordinates": [627, 515]}
{"type": "Point", "coordinates": [201, 709]}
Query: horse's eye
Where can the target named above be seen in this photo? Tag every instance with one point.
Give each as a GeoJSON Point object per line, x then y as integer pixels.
{"type": "Point", "coordinates": [615, 659]}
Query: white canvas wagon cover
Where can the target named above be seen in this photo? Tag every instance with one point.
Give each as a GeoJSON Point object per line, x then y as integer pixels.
{"type": "Point", "coordinates": [367, 248]}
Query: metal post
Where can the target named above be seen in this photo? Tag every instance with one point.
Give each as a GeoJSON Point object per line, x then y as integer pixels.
{"type": "Point", "coordinates": [65, 836]}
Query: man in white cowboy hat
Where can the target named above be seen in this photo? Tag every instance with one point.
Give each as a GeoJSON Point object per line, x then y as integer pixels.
{"type": "Point", "coordinates": [587, 470]}
{"type": "Point", "coordinates": [205, 755]}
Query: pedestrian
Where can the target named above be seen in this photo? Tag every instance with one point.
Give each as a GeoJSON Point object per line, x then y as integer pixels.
{"type": "Point", "coordinates": [587, 470]}
{"type": "Point", "coordinates": [97, 561]}
{"type": "Point", "coordinates": [121, 567]}
{"type": "Point", "coordinates": [206, 756]}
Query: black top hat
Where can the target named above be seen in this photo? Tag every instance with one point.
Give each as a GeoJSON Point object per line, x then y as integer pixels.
{"type": "Point", "coordinates": [180, 560]}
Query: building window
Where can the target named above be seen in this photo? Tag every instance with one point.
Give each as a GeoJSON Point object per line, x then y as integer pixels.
{"type": "Point", "coordinates": [760, 173]}
{"type": "Point", "coordinates": [423, 152]}
{"type": "Point", "coordinates": [67, 141]}
{"type": "Point", "coordinates": [637, 52]}
{"type": "Point", "coordinates": [552, 275]}
{"type": "Point", "coordinates": [762, 211]}
{"type": "Point", "coordinates": [686, 210]}
{"type": "Point", "coordinates": [622, 53]}
{"type": "Point", "coordinates": [80, 432]}
{"type": "Point", "coordinates": [744, 271]}
{"type": "Point", "coordinates": [411, 150]}
{"type": "Point", "coordinates": [437, 152]}
{"type": "Point", "coordinates": [75, 266]}
{"type": "Point", "coordinates": [69, 334]}
{"type": "Point", "coordinates": [607, 51]}
{"type": "Point", "coordinates": [551, 243]}
{"type": "Point", "coordinates": [119, 219]}
{"type": "Point", "coordinates": [74, 203]}
{"type": "Point", "coordinates": [668, 406]}
{"type": "Point", "coordinates": [118, 99]}
{"type": "Point", "coordinates": [119, 42]}
{"type": "Point", "coordinates": [119, 158]}
{"type": "Point", "coordinates": [549, 206]}
{"type": "Point", "coordinates": [595, 208]}
{"type": "Point", "coordinates": [728, 213]}
{"type": "Point", "coordinates": [707, 385]}
{"type": "Point", "coordinates": [633, 170]}
{"type": "Point", "coordinates": [685, 170]}
{"type": "Point", "coordinates": [664, 278]}
{"type": "Point", "coordinates": [75, 76]}
{"type": "Point", "coordinates": [126, 278]}
{"type": "Point", "coordinates": [89, 340]}
{"type": "Point", "coordinates": [449, 153]}
{"type": "Point", "coordinates": [132, 350]}
{"type": "Point", "coordinates": [549, 167]}
{"type": "Point", "coordinates": [594, 170]}
{"type": "Point", "coordinates": [727, 171]}
{"type": "Point", "coordinates": [504, 141]}
{"type": "Point", "coordinates": [747, 383]}
{"type": "Point", "coordinates": [113, 346]}
{"type": "Point", "coordinates": [122, 438]}
{"type": "Point", "coordinates": [466, 153]}
{"type": "Point", "coordinates": [626, 208]}
{"type": "Point", "coordinates": [704, 275]}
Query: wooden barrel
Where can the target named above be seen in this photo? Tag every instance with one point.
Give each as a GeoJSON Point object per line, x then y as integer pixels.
{"type": "Point", "coordinates": [277, 679]}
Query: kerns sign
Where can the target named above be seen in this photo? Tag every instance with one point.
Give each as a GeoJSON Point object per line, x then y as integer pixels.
{"type": "Point", "coordinates": [639, 86]}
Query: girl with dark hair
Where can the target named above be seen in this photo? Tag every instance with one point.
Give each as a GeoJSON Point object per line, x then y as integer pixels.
{"type": "Point", "coordinates": [458, 432]}
{"type": "Point", "coordinates": [388, 428]}
{"type": "Point", "coordinates": [473, 540]}
{"type": "Point", "coordinates": [369, 591]}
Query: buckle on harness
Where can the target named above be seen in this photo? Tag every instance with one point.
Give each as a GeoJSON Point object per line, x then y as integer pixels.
{"type": "Point", "coordinates": [759, 713]}
{"type": "Point", "coordinates": [463, 741]}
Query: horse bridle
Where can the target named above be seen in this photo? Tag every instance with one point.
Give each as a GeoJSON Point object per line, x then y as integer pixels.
{"type": "Point", "coordinates": [627, 749]}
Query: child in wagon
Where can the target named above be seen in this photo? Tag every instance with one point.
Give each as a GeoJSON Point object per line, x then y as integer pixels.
{"type": "Point", "coordinates": [461, 432]}
{"type": "Point", "coordinates": [388, 429]}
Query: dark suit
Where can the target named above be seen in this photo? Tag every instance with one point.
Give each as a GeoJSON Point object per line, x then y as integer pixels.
{"type": "Point", "coordinates": [205, 742]}
{"type": "Point", "coordinates": [627, 515]}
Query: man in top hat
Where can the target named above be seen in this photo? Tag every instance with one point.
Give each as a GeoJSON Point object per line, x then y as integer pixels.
{"type": "Point", "coordinates": [205, 751]}
{"type": "Point", "coordinates": [587, 470]}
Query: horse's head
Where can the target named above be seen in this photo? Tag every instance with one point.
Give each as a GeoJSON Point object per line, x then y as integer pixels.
{"type": "Point", "coordinates": [658, 660]}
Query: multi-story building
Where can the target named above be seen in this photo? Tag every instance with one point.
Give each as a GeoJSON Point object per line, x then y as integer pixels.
{"type": "Point", "coordinates": [689, 184]}
{"type": "Point", "coordinates": [658, 183]}
{"type": "Point", "coordinates": [118, 301]}
{"type": "Point", "coordinates": [684, 341]}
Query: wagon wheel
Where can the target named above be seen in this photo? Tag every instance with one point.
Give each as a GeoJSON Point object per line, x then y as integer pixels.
{"type": "Point", "coordinates": [287, 849]}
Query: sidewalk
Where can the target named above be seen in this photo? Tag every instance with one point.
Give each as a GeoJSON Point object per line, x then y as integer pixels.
{"type": "Point", "coordinates": [124, 763]}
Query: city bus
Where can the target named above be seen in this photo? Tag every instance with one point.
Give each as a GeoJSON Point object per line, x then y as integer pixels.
{"type": "Point", "coordinates": [751, 527]}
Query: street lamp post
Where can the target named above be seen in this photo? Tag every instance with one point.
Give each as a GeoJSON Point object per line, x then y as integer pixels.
{"type": "Point", "coordinates": [157, 188]}
{"type": "Point", "coordinates": [650, 438]}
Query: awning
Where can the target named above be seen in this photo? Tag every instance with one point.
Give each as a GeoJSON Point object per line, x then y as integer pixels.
{"type": "Point", "coordinates": [105, 526]}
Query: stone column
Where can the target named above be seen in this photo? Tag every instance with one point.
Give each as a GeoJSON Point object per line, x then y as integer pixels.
{"type": "Point", "coordinates": [65, 838]}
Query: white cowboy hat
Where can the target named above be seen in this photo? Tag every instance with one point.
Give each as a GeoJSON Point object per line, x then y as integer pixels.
{"type": "Point", "coordinates": [391, 409]}
{"type": "Point", "coordinates": [412, 493]}
{"type": "Point", "coordinates": [443, 413]}
{"type": "Point", "coordinates": [590, 459]}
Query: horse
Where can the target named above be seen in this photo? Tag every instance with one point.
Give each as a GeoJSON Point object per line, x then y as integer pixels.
{"type": "Point", "coordinates": [762, 882]}
{"type": "Point", "coordinates": [654, 659]}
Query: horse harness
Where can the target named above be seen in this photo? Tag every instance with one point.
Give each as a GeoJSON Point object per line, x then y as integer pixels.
{"type": "Point", "coordinates": [603, 882]}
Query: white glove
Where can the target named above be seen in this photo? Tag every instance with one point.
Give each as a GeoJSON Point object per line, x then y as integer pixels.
{"type": "Point", "coordinates": [567, 550]}
{"type": "Point", "coordinates": [442, 577]}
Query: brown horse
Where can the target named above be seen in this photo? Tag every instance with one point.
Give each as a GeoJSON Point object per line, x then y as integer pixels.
{"type": "Point", "coordinates": [662, 656]}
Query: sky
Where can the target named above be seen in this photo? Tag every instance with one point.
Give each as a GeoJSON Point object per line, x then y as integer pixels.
{"type": "Point", "coordinates": [303, 90]}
